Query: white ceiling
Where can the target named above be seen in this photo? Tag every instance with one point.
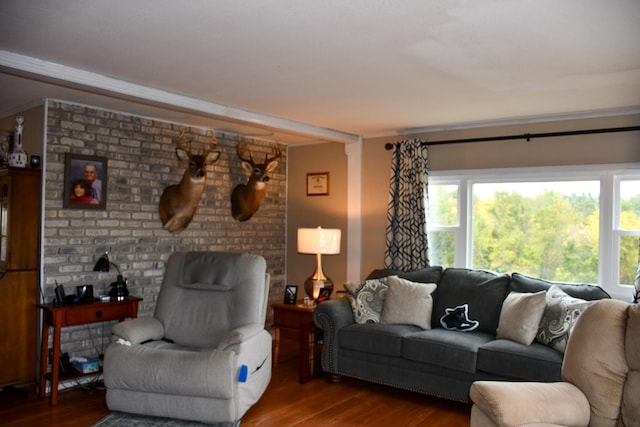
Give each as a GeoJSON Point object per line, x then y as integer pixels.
{"type": "Point", "coordinates": [307, 70]}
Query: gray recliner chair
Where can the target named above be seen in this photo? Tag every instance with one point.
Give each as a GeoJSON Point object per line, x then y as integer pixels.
{"type": "Point", "coordinates": [205, 354]}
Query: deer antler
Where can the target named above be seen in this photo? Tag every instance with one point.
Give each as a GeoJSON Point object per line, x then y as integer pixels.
{"type": "Point", "coordinates": [277, 155]}
{"type": "Point", "coordinates": [184, 144]}
{"type": "Point", "coordinates": [213, 144]}
{"type": "Point", "coordinates": [242, 157]}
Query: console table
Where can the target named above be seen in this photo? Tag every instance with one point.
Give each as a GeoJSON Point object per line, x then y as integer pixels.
{"type": "Point", "coordinates": [58, 317]}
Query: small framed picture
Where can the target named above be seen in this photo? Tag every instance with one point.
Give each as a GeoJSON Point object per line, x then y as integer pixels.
{"type": "Point", "coordinates": [85, 182]}
{"type": "Point", "coordinates": [325, 293]}
{"type": "Point", "coordinates": [318, 184]}
{"type": "Point", "coordinates": [290, 294]}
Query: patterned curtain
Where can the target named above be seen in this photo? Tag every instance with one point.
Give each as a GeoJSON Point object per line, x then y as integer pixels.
{"type": "Point", "coordinates": [407, 245]}
{"type": "Point", "coordinates": [636, 282]}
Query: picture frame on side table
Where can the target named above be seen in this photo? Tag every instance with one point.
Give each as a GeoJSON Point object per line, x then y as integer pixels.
{"type": "Point", "coordinates": [85, 182]}
{"type": "Point", "coordinates": [325, 293]}
{"type": "Point", "coordinates": [318, 184]}
{"type": "Point", "coordinates": [290, 294]}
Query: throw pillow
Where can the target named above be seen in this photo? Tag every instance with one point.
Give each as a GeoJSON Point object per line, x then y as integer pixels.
{"type": "Point", "coordinates": [367, 300]}
{"type": "Point", "coordinates": [483, 292]}
{"type": "Point", "coordinates": [521, 315]}
{"type": "Point", "coordinates": [408, 302]}
{"type": "Point", "coordinates": [457, 319]}
{"type": "Point", "coordinates": [560, 315]}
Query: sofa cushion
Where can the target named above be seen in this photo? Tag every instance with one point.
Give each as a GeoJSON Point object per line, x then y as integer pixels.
{"type": "Point", "coordinates": [445, 348]}
{"type": "Point", "coordinates": [375, 338]}
{"type": "Point", "coordinates": [520, 316]}
{"type": "Point", "coordinates": [408, 302]}
{"type": "Point", "coordinates": [424, 275]}
{"type": "Point", "coordinates": [560, 315]}
{"type": "Point", "coordinates": [483, 291]}
{"type": "Point", "coordinates": [367, 299]}
{"type": "Point", "coordinates": [523, 283]}
{"type": "Point", "coordinates": [506, 358]}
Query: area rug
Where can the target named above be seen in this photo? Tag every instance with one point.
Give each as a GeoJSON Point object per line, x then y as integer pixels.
{"type": "Point", "coordinates": [121, 419]}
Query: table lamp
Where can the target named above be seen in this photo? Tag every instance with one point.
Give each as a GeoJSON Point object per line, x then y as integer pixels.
{"type": "Point", "coordinates": [318, 241]}
{"type": "Point", "coordinates": [118, 288]}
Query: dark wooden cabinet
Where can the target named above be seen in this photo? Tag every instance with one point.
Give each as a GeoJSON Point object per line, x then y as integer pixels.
{"type": "Point", "coordinates": [20, 271]}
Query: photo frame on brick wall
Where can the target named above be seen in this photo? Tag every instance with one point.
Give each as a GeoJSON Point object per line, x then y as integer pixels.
{"type": "Point", "coordinates": [85, 182]}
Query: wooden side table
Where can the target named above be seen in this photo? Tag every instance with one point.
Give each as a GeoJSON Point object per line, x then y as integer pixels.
{"type": "Point", "coordinates": [71, 315]}
{"type": "Point", "coordinates": [295, 320]}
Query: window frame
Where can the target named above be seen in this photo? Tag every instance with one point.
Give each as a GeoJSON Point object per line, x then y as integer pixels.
{"type": "Point", "coordinates": [609, 176]}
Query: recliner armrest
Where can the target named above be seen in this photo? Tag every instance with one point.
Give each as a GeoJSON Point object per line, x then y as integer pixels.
{"type": "Point", "coordinates": [529, 403]}
{"type": "Point", "coordinates": [239, 335]}
{"type": "Point", "coordinates": [138, 330]}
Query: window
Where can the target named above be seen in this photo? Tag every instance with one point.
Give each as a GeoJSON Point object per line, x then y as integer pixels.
{"type": "Point", "coordinates": [574, 224]}
{"type": "Point", "coordinates": [443, 212]}
{"type": "Point", "coordinates": [627, 228]}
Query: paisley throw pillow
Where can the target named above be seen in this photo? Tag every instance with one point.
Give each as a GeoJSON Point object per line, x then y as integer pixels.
{"type": "Point", "coordinates": [560, 315]}
{"type": "Point", "coordinates": [367, 300]}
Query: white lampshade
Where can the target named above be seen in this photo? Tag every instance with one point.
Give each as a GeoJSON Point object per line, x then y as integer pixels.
{"type": "Point", "coordinates": [319, 240]}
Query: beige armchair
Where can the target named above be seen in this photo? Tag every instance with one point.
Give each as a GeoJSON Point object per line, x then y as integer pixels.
{"type": "Point", "coordinates": [600, 372]}
{"type": "Point", "coordinates": [205, 354]}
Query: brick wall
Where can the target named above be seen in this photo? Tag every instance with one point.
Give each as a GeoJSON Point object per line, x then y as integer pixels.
{"type": "Point", "coordinates": [141, 163]}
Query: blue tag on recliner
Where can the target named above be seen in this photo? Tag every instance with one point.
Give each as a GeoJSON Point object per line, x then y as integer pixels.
{"type": "Point", "coordinates": [244, 371]}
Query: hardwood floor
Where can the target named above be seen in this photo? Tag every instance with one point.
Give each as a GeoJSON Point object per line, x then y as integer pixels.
{"type": "Point", "coordinates": [285, 403]}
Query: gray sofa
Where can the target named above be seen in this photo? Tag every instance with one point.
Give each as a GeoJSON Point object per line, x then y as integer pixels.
{"type": "Point", "coordinates": [444, 362]}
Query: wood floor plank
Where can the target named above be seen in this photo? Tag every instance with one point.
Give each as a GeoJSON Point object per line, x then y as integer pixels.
{"type": "Point", "coordinates": [286, 403]}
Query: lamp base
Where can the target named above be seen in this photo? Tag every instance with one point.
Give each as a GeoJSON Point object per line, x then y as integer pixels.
{"type": "Point", "coordinates": [326, 287]}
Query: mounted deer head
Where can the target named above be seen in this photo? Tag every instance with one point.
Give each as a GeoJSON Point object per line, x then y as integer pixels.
{"type": "Point", "coordinates": [179, 202]}
{"type": "Point", "coordinates": [246, 198]}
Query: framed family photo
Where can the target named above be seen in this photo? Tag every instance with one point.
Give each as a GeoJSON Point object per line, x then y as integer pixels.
{"type": "Point", "coordinates": [85, 182]}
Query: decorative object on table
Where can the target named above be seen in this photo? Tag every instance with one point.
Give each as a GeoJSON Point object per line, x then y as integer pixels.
{"type": "Point", "coordinates": [35, 162]}
{"type": "Point", "coordinates": [179, 202]}
{"type": "Point", "coordinates": [17, 156]}
{"type": "Point", "coordinates": [318, 184]}
{"type": "Point", "coordinates": [290, 294]}
{"type": "Point", "coordinates": [85, 293]}
{"type": "Point", "coordinates": [85, 179]}
{"type": "Point", "coordinates": [246, 198]}
{"type": "Point", "coordinates": [119, 290]}
{"type": "Point", "coordinates": [323, 295]}
{"type": "Point", "coordinates": [318, 241]}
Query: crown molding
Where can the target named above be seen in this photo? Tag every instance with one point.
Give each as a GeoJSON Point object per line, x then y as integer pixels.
{"type": "Point", "coordinates": [55, 73]}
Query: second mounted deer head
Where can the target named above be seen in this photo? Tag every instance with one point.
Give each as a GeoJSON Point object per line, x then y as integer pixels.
{"type": "Point", "coordinates": [246, 198]}
{"type": "Point", "coordinates": [179, 202]}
